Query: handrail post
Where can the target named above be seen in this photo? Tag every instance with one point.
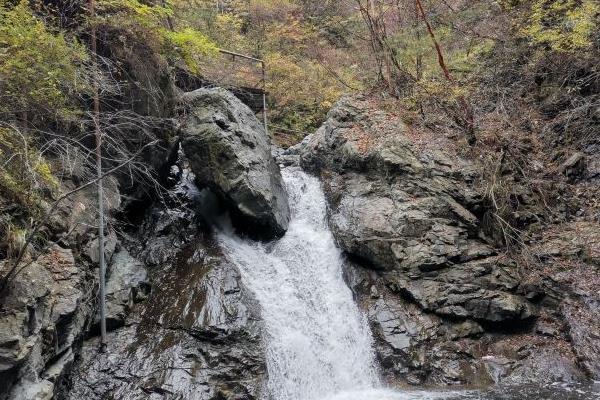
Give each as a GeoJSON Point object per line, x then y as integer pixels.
{"type": "Point", "coordinates": [264, 97]}
{"type": "Point", "coordinates": [98, 151]}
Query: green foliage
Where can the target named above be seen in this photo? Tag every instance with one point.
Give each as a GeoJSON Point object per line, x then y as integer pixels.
{"type": "Point", "coordinates": [191, 46]}
{"type": "Point", "coordinates": [303, 92]}
{"type": "Point", "coordinates": [132, 14]}
{"type": "Point", "coordinates": [227, 31]}
{"type": "Point", "coordinates": [39, 69]}
{"type": "Point", "coordinates": [564, 25]}
{"type": "Point", "coordinates": [147, 25]}
{"type": "Point", "coordinates": [304, 70]}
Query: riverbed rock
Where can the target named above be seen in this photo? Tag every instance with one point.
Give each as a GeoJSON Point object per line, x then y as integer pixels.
{"type": "Point", "coordinates": [230, 153]}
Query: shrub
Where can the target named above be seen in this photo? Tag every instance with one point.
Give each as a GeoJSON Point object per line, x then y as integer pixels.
{"type": "Point", "coordinates": [40, 70]}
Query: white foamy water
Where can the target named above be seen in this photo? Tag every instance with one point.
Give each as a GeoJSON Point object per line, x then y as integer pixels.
{"type": "Point", "coordinates": [318, 343]}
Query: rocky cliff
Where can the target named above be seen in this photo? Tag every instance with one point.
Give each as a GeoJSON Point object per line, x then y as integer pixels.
{"type": "Point", "coordinates": [445, 305]}
{"type": "Point", "coordinates": [181, 324]}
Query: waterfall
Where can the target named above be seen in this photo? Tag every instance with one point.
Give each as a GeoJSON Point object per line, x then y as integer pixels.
{"type": "Point", "coordinates": [317, 341]}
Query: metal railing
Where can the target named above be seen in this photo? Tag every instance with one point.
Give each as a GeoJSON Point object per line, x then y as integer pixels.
{"type": "Point", "coordinates": [263, 80]}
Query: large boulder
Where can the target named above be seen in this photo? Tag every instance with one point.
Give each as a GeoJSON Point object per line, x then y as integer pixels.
{"type": "Point", "coordinates": [441, 302]}
{"type": "Point", "coordinates": [230, 153]}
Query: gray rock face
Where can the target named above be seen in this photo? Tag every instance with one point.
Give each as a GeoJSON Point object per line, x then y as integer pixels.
{"type": "Point", "coordinates": [230, 153]}
{"type": "Point", "coordinates": [410, 215]}
{"type": "Point", "coordinates": [45, 317]}
{"type": "Point", "coordinates": [569, 276]}
{"type": "Point", "coordinates": [417, 347]}
{"type": "Point", "coordinates": [182, 326]}
{"type": "Point", "coordinates": [197, 336]}
{"type": "Point", "coordinates": [444, 307]}
{"type": "Point", "coordinates": [47, 307]}
{"type": "Point", "coordinates": [478, 289]}
{"type": "Point", "coordinates": [126, 286]}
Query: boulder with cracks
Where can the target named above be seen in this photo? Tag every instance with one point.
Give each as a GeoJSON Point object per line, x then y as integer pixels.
{"type": "Point", "coordinates": [230, 153]}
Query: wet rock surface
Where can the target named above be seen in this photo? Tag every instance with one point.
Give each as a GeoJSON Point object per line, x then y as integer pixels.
{"type": "Point", "coordinates": [183, 326]}
{"type": "Point", "coordinates": [230, 153]}
{"type": "Point", "coordinates": [128, 284]}
{"type": "Point", "coordinates": [444, 305]}
{"type": "Point", "coordinates": [197, 336]}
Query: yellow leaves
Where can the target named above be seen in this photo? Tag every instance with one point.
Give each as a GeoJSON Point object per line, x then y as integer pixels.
{"type": "Point", "coordinates": [291, 36]}
{"type": "Point", "coordinates": [131, 11]}
{"type": "Point", "coordinates": [271, 6]}
{"type": "Point", "coordinates": [191, 46]}
{"type": "Point", "coordinates": [146, 24]}
{"type": "Point", "coordinates": [464, 60]}
{"type": "Point", "coordinates": [38, 67]}
{"type": "Point", "coordinates": [583, 21]}
{"type": "Point", "coordinates": [229, 21]}
{"type": "Point", "coordinates": [226, 30]}
{"type": "Point", "coordinates": [294, 80]}
{"type": "Point", "coordinates": [302, 89]}
{"type": "Point", "coordinates": [44, 172]}
{"type": "Point", "coordinates": [564, 25]}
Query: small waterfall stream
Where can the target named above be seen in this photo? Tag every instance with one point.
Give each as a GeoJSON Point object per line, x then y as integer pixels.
{"type": "Point", "coordinates": [317, 341]}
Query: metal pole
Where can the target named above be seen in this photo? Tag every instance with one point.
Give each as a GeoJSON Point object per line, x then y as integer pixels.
{"type": "Point", "coordinates": [264, 97]}
{"type": "Point", "coordinates": [233, 53]}
{"type": "Point", "coordinates": [96, 117]}
{"type": "Point", "coordinates": [101, 245]}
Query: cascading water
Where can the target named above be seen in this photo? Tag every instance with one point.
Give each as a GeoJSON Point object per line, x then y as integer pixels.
{"type": "Point", "coordinates": [318, 344]}
{"type": "Point", "coordinates": [317, 341]}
